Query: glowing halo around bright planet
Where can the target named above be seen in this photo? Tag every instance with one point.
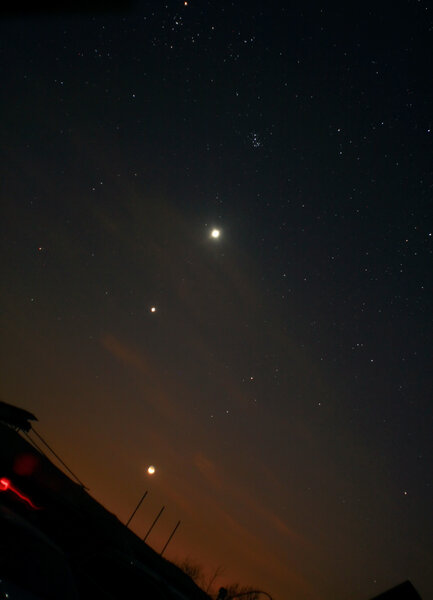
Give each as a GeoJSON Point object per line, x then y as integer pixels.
{"type": "Point", "coordinates": [151, 470]}
{"type": "Point", "coordinates": [215, 234]}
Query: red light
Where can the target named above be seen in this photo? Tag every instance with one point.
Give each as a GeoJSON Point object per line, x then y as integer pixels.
{"type": "Point", "coordinates": [26, 464]}
{"type": "Point", "coordinates": [5, 485]}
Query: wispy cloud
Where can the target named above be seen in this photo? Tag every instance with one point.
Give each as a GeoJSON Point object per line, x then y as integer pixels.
{"type": "Point", "coordinates": [244, 498]}
{"type": "Point", "coordinates": [151, 378]}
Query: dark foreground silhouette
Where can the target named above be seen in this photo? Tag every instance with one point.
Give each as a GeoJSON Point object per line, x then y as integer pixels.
{"type": "Point", "coordinates": [17, 418]}
{"type": "Point", "coordinates": [404, 591]}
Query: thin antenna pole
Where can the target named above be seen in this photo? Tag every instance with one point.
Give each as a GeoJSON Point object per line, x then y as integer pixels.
{"type": "Point", "coordinates": [168, 541]}
{"type": "Point", "coordinates": [136, 508]}
{"type": "Point", "coordinates": [153, 524]}
{"type": "Point", "coordinates": [34, 444]}
{"type": "Point", "coordinates": [59, 459]}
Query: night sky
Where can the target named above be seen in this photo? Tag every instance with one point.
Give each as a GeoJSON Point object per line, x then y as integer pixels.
{"type": "Point", "coordinates": [282, 387]}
